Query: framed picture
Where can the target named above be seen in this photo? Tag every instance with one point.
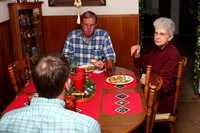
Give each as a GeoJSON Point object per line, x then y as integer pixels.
{"type": "Point", "coordinates": [71, 2]}
{"type": "Point", "coordinates": [20, 1]}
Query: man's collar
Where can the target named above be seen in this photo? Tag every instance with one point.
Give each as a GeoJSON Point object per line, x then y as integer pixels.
{"type": "Point", "coordinates": [81, 33]}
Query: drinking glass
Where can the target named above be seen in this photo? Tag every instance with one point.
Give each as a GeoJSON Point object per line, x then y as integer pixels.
{"type": "Point", "coordinates": [70, 103]}
{"type": "Point", "coordinates": [73, 63]}
{"type": "Point", "coordinates": [109, 64]}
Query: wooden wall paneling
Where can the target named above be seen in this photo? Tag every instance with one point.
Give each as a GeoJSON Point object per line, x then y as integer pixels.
{"type": "Point", "coordinates": [116, 27]}
{"type": "Point", "coordinates": [124, 32]}
{"type": "Point", "coordinates": [56, 29]}
{"type": "Point", "coordinates": [6, 56]}
{"type": "Point", "coordinates": [132, 39]}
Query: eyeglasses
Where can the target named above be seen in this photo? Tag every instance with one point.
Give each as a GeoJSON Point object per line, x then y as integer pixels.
{"type": "Point", "coordinates": [89, 25]}
{"type": "Point", "coordinates": [160, 34]}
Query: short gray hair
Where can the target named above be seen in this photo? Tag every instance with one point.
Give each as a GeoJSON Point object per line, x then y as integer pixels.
{"type": "Point", "coordinates": [165, 23]}
{"type": "Point", "coordinates": [89, 14]}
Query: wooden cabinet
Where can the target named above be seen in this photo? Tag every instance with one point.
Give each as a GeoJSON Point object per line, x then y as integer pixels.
{"type": "Point", "coordinates": [26, 29]}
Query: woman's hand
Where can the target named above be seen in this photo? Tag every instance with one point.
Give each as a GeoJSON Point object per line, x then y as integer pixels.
{"type": "Point", "coordinates": [142, 81]}
{"type": "Point", "coordinates": [135, 51]}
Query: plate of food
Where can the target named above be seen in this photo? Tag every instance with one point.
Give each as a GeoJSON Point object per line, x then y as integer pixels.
{"type": "Point", "coordinates": [119, 79]}
{"type": "Point", "coordinates": [88, 68]}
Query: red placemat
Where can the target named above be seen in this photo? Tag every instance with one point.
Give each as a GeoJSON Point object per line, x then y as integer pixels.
{"type": "Point", "coordinates": [132, 85]}
{"type": "Point", "coordinates": [30, 87]}
{"type": "Point", "coordinates": [92, 107]}
{"type": "Point", "coordinates": [20, 102]}
{"type": "Point", "coordinates": [122, 103]}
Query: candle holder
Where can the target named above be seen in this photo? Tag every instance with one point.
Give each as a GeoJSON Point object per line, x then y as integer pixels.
{"type": "Point", "coordinates": [89, 91]}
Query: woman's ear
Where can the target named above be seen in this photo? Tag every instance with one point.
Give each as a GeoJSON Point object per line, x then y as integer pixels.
{"type": "Point", "coordinates": [170, 38]}
{"type": "Point", "coordinates": [67, 84]}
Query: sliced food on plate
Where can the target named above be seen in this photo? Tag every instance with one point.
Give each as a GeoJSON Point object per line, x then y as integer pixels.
{"type": "Point", "coordinates": [88, 68]}
{"type": "Point", "coordinates": [118, 79]}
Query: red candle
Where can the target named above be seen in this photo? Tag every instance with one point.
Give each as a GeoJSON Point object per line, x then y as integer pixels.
{"type": "Point", "coordinates": [81, 74]}
{"type": "Point", "coordinates": [78, 83]}
{"type": "Point", "coordinates": [81, 70]}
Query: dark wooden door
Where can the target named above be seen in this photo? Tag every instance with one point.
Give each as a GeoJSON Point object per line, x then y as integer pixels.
{"type": "Point", "coordinates": [187, 19]}
{"type": "Point", "coordinates": [165, 8]}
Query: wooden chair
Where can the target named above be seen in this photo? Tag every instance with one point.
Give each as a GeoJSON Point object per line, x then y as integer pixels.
{"type": "Point", "coordinates": [172, 117]}
{"type": "Point", "coordinates": [153, 83]}
{"type": "Point", "coordinates": [19, 71]}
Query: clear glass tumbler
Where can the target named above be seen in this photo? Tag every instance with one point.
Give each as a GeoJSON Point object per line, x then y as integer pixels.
{"type": "Point", "coordinates": [109, 64]}
{"type": "Point", "coordinates": [73, 63]}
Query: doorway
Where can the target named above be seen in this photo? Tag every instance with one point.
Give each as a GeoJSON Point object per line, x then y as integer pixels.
{"type": "Point", "coordinates": [188, 17]}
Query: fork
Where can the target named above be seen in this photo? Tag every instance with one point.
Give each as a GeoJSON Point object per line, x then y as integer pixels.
{"type": "Point", "coordinates": [123, 75]}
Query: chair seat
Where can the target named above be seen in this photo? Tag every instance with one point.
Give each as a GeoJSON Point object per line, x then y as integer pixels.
{"type": "Point", "coordinates": [162, 116]}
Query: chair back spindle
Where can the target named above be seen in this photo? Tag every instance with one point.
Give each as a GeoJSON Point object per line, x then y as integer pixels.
{"type": "Point", "coordinates": [153, 83]}
{"type": "Point", "coordinates": [19, 70]}
{"type": "Point", "coordinates": [147, 78]}
{"type": "Point", "coordinates": [150, 104]}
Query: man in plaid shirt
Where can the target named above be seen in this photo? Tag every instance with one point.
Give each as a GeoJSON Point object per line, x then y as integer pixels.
{"type": "Point", "coordinates": [89, 43]}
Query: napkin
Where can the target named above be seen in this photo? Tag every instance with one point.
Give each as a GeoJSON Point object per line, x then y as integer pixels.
{"type": "Point", "coordinates": [98, 71]}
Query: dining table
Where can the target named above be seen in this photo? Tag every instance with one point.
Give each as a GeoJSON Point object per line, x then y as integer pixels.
{"type": "Point", "coordinates": [118, 108]}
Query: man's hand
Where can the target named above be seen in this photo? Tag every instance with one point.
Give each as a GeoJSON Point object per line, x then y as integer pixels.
{"type": "Point", "coordinates": [99, 65]}
{"type": "Point", "coordinates": [135, 51]}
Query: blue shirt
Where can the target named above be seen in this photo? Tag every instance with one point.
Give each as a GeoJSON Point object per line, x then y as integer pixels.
{"type": "Point", "coordinates": [47, 116]}
{"type": "Point", "coordinates": [99, 47]}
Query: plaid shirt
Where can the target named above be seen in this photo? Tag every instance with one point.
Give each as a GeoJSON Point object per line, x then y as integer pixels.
{"type": "Point", "coordinates": [47, 116]}
{"type": "Point", "coordinates": [99, 47]}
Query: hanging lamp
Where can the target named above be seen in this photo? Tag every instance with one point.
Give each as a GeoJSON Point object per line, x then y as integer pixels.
{"type": "Point", "coordinates": [77, 4]}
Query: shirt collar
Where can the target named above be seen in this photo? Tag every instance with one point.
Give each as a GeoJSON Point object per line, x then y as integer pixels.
{"type": "Point", "coordinates": [47, 102]}
{"type": "Point", "coordinates": [166, 46]}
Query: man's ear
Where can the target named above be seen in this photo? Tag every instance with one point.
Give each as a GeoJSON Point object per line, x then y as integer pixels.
{"type": "Point", "coordinates": [67, 84]}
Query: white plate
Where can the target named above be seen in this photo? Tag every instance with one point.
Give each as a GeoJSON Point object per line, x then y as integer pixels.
{"type": "Point", "coordinates": [131, 79]}
{"type": "Point", "coordinates": [87, 68]}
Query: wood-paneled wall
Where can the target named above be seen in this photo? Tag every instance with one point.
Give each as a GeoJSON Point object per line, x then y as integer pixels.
{"type": "Point", "coordinates": [6, 56]}
{"type": "Point", "coordinates": [123, 30]}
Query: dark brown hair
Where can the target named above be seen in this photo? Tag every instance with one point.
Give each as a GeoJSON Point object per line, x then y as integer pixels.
{"type": "Point", "coordinates": [50, 74]}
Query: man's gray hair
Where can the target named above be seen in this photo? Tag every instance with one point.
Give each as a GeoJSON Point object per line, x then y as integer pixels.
{"type": "Point", "coordinates": [165, 23]}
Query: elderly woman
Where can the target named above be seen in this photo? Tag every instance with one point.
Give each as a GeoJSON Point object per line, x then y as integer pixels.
{"type": "Point", "coordinates": [164, 60]}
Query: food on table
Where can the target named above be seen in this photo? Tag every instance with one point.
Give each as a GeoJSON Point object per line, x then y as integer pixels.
{"type": "Point", "coordinates": [89, 68]}
{"type": "Point", "coordinates": [112, 80]}
{"type": "Point", "coordinates": [92, 60]}
{"type": "Point", "coordinates": [119, 79]}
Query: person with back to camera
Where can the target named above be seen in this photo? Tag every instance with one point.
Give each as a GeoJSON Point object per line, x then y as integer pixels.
{"type": "Point", "coordinates": [47, 113]}
{"type": "Point", "coordinates": [89, 43]}
{"type": "Point", "coordinates": [164, 60]}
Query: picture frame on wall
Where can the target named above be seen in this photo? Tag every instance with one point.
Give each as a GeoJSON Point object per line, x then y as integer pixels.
{"type": "Point", "coordinates": [20, 1]}
{"type": "Point", "coordinates": [71, 2]}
